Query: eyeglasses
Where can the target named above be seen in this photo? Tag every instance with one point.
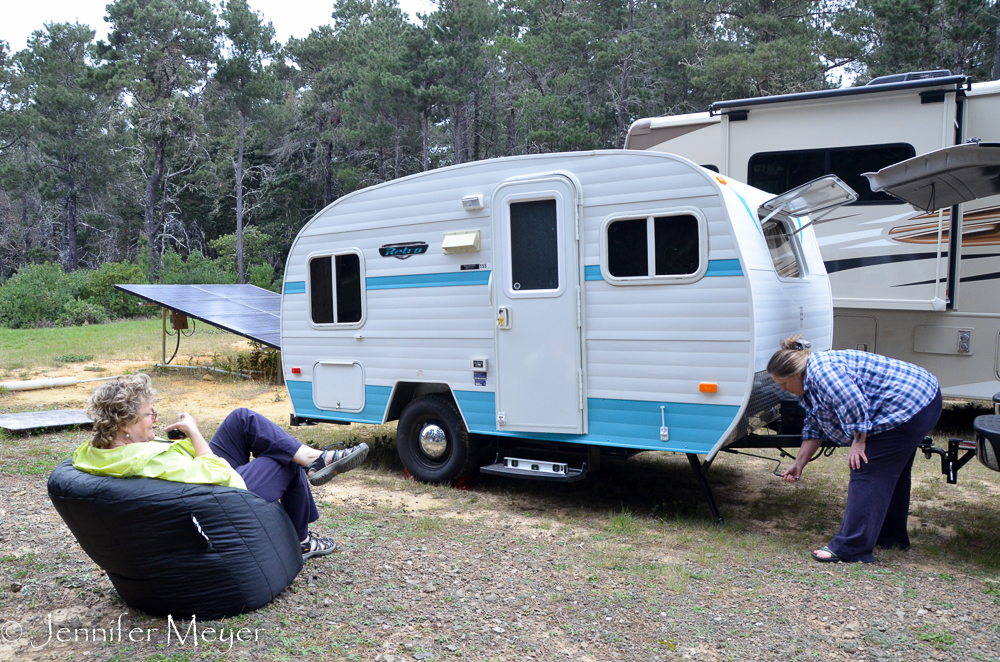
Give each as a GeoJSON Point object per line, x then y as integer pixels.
{"type": "Point", "coordinates": [152, 413]}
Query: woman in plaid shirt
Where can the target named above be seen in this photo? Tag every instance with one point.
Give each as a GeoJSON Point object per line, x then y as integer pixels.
{"type": "Point", "coordinates": [880, 407]}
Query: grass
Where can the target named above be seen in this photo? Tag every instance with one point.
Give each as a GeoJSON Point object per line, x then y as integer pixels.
{"type": "Point", "coordinates": [136, 340]}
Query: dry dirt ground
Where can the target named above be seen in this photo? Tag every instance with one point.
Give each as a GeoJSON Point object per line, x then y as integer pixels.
{"type": "Point", "coordinates": [623, 566]}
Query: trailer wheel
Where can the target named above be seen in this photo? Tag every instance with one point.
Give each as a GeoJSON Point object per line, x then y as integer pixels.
{"type": "Point", "coordinates": [433, 442]}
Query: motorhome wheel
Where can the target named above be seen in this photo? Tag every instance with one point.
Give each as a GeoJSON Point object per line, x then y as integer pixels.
{"type": "Point", "coordinates": [433, 442]}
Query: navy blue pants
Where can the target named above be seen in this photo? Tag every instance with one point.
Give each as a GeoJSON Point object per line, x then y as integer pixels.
{"type": "Point", "coordinates": [878, 496]}
{"type": "Point", "coordinates": [271, 474]}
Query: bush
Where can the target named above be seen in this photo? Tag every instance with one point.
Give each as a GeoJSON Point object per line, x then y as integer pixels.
{"type": "Point", "coordinates": [99, 289]}
{"type": "Point", "coordinates": [262, 275]}
{"type": "Point", "coordinates": [257, 247]}
{"type": "Point", "coordinates": [38, 294]}
{"type": "Point", "coordinates": [196, 270]}
{"type": "Point", "coordinates": [79, 312]}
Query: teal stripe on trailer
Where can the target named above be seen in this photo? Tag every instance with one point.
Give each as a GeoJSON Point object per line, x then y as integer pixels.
{"type": "Point", "coordinates": [694, 428]}
{"type": "Point", "coordinates": [295, 287]}
{"type": "Point", "coordinates": [592, 272]}
{"type": "Point", "coordinates": [448, 279]}
{"type": "Point", "coordinates": [376, 400]}
{"type": "Point", "coordinates": [724, 268]}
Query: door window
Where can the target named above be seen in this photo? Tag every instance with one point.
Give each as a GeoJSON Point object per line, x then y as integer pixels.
{"type": "Point", "coordinates": [534, 246]}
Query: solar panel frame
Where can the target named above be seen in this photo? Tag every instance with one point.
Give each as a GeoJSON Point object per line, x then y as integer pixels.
{"type": "Point", "coordinates": [246, 310]}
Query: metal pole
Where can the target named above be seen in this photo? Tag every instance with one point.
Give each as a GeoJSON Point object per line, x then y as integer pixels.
{"type": "Point", "coordinates": [164, 320]}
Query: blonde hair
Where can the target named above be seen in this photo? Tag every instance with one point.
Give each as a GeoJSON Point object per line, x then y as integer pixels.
{"type": "Point", "coordinates": [791, 359]}
{"type": "Point", "coordinates": [115, 405]}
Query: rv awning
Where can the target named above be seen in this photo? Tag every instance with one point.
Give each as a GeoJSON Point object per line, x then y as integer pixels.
{"type": "Point", "coordinates": [944, 177]}
{"type": "Point", "coordinates": [245, 310]}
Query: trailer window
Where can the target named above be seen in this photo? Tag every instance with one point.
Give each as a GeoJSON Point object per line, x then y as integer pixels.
{"type": "Point", "coordinates": [654, 246]}
{"type": "Point", "coordinates": [335, 289]}
{"type": "Point", "coordinates": [782, 248]}
{"type": "Point", "coordinates": [534, 245]}
{"type": "Point", "coordinates": [777, 172]}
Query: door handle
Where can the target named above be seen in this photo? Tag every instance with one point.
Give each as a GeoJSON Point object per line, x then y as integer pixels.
{"type": "Point", "coordinates": [503, 317]}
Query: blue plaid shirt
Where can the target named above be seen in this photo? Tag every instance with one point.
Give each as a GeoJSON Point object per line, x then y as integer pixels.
{"type": "Point", "coordinates": [848, 392]}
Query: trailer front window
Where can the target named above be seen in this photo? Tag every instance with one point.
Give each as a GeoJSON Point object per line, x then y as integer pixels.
{"type": "Point", "coordinates": [782, 248]}
{"type": "Point", "coordinates": [336, 289]}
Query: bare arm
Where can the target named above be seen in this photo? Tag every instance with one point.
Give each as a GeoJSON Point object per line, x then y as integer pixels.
{"type": "Point", "coordinates": [806, 451]}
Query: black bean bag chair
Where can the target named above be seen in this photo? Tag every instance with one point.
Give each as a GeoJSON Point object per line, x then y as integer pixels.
{"type": "Point", "coordinates": [179, 549]}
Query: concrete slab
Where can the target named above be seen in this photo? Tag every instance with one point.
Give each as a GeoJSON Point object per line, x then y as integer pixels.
{"type": "Point", "coordinates": [35, 420]}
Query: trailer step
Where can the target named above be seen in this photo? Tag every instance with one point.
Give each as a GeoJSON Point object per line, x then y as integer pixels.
{"type": "Point", "coordinates": [516, 467]}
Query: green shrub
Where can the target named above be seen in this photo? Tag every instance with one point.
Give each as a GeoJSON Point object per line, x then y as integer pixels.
{"type": "Point", "coordinates": [197, 269]}
{"type": "Point", "coordinates": [262, 275]}
{"type": "Point", "coordinates": [38, 294]}
{"type": "Point", "coordinates": [79, 312]}
{"type": "Point", "coordinates": [99, 289]}
{"type": "Point", "coordinates": [257, 247]}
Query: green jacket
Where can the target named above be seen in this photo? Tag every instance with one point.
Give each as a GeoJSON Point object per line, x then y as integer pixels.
{"type": "Point", "coordinates": [174, 461]}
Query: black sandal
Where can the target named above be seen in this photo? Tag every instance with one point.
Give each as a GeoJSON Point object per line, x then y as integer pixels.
{"type": "Point", "coordinates": [316, 546]}
{"type": "Point", "coordinates": [833, 557]}
{"type": "Point", "coordinates": [331, 463]}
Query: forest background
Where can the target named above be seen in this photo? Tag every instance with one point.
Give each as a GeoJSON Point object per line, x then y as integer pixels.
{"type": "Point", "coordinates": [191, 146]}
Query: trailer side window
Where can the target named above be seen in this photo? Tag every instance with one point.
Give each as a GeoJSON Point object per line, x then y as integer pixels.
{"type": "Point", "coordinates": [782, 248]}
{"type": "Point", "coordinates": [777, 172]}
{"type": "Point", "coordinates": [654, 246]}
{"type": "Point", "coordinates": [335, 289]}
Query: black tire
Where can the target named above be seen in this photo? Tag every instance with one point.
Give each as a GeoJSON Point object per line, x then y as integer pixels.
{"type": "Point", "coordinates": [459, 457]}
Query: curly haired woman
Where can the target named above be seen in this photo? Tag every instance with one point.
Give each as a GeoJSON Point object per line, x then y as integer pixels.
{"type": "Point", "coordinates": [125, 446]}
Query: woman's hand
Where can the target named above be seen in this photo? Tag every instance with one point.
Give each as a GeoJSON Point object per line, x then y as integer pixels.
{"type": "Point", "coordinates": [793, 473]}
{"type": "Point", "coordinates": [186, 424]}
{"type": "Point", "coordinates": [806, 451]}
{"type": "Point", "coordinates": [857, 453]}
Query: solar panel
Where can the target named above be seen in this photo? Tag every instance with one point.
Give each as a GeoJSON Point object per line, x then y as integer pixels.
{"type": "Point", "coordinates": [245, 310]}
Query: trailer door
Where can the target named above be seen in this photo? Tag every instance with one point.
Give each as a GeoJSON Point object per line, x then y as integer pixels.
{"type": "Point", "coordinates": [536, 289]}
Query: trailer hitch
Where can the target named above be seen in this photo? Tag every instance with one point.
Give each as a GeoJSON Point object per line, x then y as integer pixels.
{"type": "Point", "coordinates": [950, 461]}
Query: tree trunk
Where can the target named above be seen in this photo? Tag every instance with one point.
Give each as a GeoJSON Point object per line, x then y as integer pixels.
{"type": "Point", "coordinates": [458, 129]}
{"type": "Point", "coordinates": [511, 131]}
{"type": "Point", "coordinates": [475, 127]}
{"type": "Point", "coordinates": [424, 161]}
{"type": "Point", "coordinates": [150, 220]}
{"type": "Point", "coordinates": [328, 178]}
{"type": "Point", "coordinates": [239, 199]}
{"type": "Point", "coordinates": [590, 105]}
{"type": "Point", "coordinates": [70, 259]}
{"type": "Point", "coordinates": [623, 102]}
{"type": "Point", "coordinates": [996, 54]}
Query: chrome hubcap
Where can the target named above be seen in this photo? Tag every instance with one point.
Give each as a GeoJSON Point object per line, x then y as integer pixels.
{"type": "Point", "coordinates": [433, 441]}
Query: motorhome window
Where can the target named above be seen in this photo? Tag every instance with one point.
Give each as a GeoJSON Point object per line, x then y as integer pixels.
{"type": "Point", "coordinates": [534, 245]}
{"type": "Point", "coordinates": [676, 245]}
{"type": "Point", "coordinates": [782, 249]}
{"type": "Point", "coordinates": [675, 242]}
{"type": "Point", "coordinates": [777, 172]}
{"type": "Point", "coordinates": [335, 289]}
{"type": "Point", "coordinates": [321, 289]}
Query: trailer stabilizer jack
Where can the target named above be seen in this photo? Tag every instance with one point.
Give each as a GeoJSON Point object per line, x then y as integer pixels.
{"type": "Point", "coordinates": [701, 469]}
{"type": "Point", "coordinates": [950, 461]}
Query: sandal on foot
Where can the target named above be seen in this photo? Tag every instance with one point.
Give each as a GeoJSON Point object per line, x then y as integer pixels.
{"type": "Point", "coordinates": [316, 546]}
{"type": "Point", "coordinates": [331, 463]}
{"type": "Point", "coordinates": [833, 558]}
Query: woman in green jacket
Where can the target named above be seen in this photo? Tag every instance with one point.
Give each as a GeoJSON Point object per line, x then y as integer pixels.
{"type": "Point", "coordinates": [282, 468]}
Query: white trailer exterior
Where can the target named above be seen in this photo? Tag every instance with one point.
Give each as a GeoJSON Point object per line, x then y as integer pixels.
{"type": "Point", "coordinates": [589, 298]}
{"type": "Point", "coordinates": [903, 285]}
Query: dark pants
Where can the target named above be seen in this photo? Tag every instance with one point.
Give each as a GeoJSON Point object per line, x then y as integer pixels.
{"type": "Point", "coordinates": [878, 496]}
{"type": "Point", "coordinates": [271, 475]}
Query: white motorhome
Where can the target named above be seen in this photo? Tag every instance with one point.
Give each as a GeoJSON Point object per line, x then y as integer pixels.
{"type": "Point", "coordinates": [601, 301]}
{"type": "Point", "coordinates": [903, 284]}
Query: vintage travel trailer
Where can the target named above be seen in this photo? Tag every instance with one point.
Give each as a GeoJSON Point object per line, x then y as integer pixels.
{"type": "Point", "coordinates": [594, 302]}
{"type": "Point", "coordinates": [919, 286]}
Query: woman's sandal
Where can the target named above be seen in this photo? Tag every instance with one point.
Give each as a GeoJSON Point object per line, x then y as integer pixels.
{"type": "Point", "coordinates": [331, 463]}
{"type": "Point", "coordinates": [833, 558]}
{"type": "Point", "coordinates": [316, 546]}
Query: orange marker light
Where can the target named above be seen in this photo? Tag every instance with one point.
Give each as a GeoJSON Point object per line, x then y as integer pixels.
{"type": "Point", "coordinates": [708, 387]}
{"type": "Point", "coordinates": [296, 371]}
{"type": "Point", "coordinates": [720, 180]}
